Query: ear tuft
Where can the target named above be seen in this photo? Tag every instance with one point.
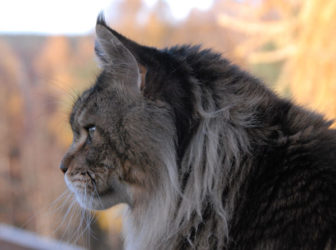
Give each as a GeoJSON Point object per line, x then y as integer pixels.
{"type": "Point", "coordinates": [122, 57]}
{"type": "Point", "coordinates": [101, 19]}
{"type": "Point", "coordinates": [114, 57]}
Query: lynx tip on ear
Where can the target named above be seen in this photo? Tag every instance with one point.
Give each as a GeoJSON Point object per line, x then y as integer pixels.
{"type": "Point", "coordinates": [101, 19]}
{"type": "Point", "coordinates": [102, 30]}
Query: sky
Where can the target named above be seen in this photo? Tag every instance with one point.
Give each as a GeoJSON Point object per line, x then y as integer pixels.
{"type": "Point", "coordinates": [71, 17]}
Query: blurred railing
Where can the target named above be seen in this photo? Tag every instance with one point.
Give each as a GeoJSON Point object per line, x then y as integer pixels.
{"type": "Point", "coordinates": [12, 238]}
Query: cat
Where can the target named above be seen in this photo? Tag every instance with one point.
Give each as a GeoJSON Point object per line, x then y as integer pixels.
{"type": "Point", "coordinates": [203, 154]}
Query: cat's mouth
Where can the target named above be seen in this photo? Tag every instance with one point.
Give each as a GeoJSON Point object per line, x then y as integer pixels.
{"type": "Point", "coordinates": [91, 199]}
{"type": "Point", "coordinates": [87, 187]}
{"type": "Point", "coordinates": [90, 195]}
{"type": "Point", "coordinates": [91, 178]}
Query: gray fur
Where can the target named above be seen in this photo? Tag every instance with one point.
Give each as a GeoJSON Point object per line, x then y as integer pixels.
{"type": "Point", "coordinates": [226, 175]}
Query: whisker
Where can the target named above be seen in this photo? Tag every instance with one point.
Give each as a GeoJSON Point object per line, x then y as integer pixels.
{"type": "Point", "coordinates": [54, 207]}
{"type": "Point", "coordinates": [89, 218]}
{"type": "Point", "coordinates": [97, 194]}
{"type": "Point", "coordinates": [65, 218]}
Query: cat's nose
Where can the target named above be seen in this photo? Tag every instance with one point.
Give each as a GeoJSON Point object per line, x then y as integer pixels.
{"type": "Point", "coordinates": [63, 167]}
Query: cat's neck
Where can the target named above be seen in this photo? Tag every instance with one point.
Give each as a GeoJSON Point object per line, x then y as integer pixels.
{"type": "Point", "coordinates": [149, 225]}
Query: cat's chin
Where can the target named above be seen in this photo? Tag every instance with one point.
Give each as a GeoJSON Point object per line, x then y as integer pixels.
{"type": "Point", "coordinates": [94, 202]}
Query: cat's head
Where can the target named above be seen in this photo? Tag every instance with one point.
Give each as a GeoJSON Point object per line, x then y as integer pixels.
{"type": "Point", "coordinates": [124, 132]}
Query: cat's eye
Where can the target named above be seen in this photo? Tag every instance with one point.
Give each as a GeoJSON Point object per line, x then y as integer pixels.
{"type": "Point", "coordinates": [91, 130]}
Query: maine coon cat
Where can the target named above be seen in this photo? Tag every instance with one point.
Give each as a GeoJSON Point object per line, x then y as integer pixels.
{"type": "Point", "coordinates": [203, 154]}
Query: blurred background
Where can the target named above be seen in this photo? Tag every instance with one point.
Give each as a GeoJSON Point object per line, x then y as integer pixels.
{"type": "Point", "coordinates": [47, 59]}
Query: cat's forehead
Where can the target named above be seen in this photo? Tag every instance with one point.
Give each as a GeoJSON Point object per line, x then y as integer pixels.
{"type": "Point", "coordinates": [79, 106]}
{"type": "Point", "coordinates": [97, 101]}
{"type": "Point", "coordinates": [88, 97]}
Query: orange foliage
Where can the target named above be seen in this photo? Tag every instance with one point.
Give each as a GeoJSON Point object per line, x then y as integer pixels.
{"type": "Point", "coordinates": [300, 32]}
{"type": "Point", "coordinates": [312, 68]}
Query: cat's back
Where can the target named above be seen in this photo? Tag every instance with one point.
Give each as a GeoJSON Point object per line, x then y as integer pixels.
{"type": "Point", "coordinates": [289, 198]}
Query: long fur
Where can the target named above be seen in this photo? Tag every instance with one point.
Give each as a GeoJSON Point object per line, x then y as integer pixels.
{"type": "Point", "coordinates": [213, 155]}
{"type": "Point", "coordinates": [205, 156]}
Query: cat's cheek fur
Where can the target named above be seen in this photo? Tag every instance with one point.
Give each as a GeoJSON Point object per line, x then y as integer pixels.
{"type": "Point", "coordinates": [115, 194]}
{"type": "Point", "coordinates": [135, 175]}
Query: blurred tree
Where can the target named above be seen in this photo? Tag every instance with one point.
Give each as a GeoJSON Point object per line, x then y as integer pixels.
{"type": "Point", "coordinates": [157, 28]}
{"type": "Point", "coordinates": [12, 200]}
{"type": "Point", "coordinates": [53, 65]}
{"type": "Point", "coordinates": [311, 70]}
{"type": "Point", "coordinates": [300, 32]}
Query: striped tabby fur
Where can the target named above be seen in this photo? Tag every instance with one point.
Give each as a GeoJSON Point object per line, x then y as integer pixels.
{"type": "Point", "coordinates": [205, 156]}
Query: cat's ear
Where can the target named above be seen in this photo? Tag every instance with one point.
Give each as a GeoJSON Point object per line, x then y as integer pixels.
{"type": "Point", "coordinates": [115, 58]}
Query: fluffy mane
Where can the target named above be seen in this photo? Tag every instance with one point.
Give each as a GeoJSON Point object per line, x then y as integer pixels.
{"type": "Point", "coordinates": [210, 170]}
